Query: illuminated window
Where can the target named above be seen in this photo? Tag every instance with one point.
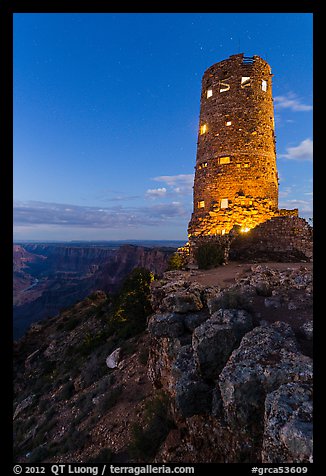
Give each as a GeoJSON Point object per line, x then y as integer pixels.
{"type": "Point", "coordinates": [238, 165]}
{"type": "Point", "coordinates": [245, 82]}
{"type": "Point", "coordinates": [209, 93]}
{"type": "Point", "coordinates": [224, 160]}
{"type": "Point", "coordinates": [201, 204]}
{"type": "Point", "coordinates": [228, 123]}
{"type": "Point", "coordinates": [203, 129]}
{"type": "Point", "coordinates": [246, 165]}
{"type": "Point", "coordinates": [264, 85]}
{"type": "Point", "coordinates": [224, 86]}
{"type": "Point", "coordinates": [224, 203]}
{"type": "Point", "coordinates": [223, 232]}
{"type": "Point", "coordinates": [202, 166]}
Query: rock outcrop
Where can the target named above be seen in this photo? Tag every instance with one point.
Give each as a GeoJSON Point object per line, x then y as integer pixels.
{"type": "Point", "coordinates": [240, 387]}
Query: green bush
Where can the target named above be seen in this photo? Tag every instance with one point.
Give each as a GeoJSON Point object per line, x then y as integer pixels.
{"type": "Point", "coordinates": [209, 255]}
{"type": "Point", "coordinates": [131, 305]}
{"type": "Point", "coordinates": [176, 261]}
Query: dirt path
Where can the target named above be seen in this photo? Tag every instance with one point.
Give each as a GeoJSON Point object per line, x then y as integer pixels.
{"type": "Point", "coordinates": [225, 275]}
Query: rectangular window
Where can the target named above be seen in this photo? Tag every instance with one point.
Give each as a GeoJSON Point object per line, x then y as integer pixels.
{"type": "Point", "coordinates": [203, 129]}
{"type": "Point", "coordinates": [224, 203]}
{"type": "Point", "coordinates": [201, 204]}
{"type": "Point", "coordinates": [228, 123]}
{"type": "Point", "coordinates": [246, 165]}
{"type": "Point", "coordinates": [224, 160]}
{"type": "Point", "coordinates": [224, 86]}
{"type": "Point", "coordinates": [264, 85]}
{"type": "Point", "coordinates": [245, 81]}
{"type": "Point", "coordinates": [223, 232]}
{"type": "Point", "coordinates": [209, 93]}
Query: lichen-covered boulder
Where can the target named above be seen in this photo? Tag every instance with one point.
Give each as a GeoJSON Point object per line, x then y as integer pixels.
{"type": "Point", "coordinates": [183, 302]}
{"type": "Point", "coordinates": [214, 340]}
{"type": "Point", "coordinates": [288, 433]}
{"type": "Point", "coordinates": [266, 358]}
{"type": "Point", "coordinates": [166, 325]}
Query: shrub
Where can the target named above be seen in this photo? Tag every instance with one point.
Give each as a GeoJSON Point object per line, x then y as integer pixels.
{"type": "Point", "coordinates": [147, 437]}
{"type": "Point", "coordinates": [132, 305]}
{"type": "Point", "coordinates": [176, 261]}
{"type": "Point", "coordinates": [209, 255]}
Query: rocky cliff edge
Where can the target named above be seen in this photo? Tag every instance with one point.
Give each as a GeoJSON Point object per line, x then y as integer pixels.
{"type": "Point", "coordinates": [240, 386]}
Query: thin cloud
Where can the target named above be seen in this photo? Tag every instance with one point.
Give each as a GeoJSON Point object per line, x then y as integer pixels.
{"type": "Point", "coordinates": [304, 206]}
{"type": "Point", "coordinates": [291, 101]}
{"type": "Point", "coordinates": [156, 192]}
{"type": "Point", "coordinates": [303, 151]}
{"type": "Point", "coordinates": [180, 184]}
{"type": "Point", "coordinates": [41, 213]}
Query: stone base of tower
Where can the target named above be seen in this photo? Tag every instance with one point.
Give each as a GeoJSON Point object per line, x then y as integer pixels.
{"type": "Point", "coordinates": [284, 237]}
{"type": "Point", "coordinates": [246, 212]}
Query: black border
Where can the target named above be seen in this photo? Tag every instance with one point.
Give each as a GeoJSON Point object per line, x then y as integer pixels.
{"type": "Point", "coordinates": [7, 10]}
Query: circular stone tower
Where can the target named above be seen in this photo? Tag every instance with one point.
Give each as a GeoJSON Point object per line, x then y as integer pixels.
{"type": "Point", "coordinates": [236, 181]}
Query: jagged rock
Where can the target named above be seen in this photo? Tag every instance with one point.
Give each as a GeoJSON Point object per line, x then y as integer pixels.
{"type": "Point", "coordinates": [113, 360]}
{"type": "Point", "coordinates": [191, 321]}
{"type": "Point", "coordinates": [214, 303]}
{"type": "Point", "coordinates": [273, 302]}
{"type": "Point", "coordinates": [266, 358]}
{"type": "Point", "coordinates": [192, 395]}
{"type": "Point", "coordinates": [263, 287]}
{"type": "Point", "coordinates": [240, 320]}
{"type": "Point", "coordinates": [183, 302]}
{"type": "Point", "coordinates": [288, 434]}
{"type": "Point", "coordinates": [22, 405]}
{"type": "Point", "coordinates": [214, 340]}
{"type": "Point", "coordinates": [166, 325]}
{"type": "Point", "coordinates": [308, 330]}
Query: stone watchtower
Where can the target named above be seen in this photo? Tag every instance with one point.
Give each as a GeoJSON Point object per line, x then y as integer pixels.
{"type": "Point", "coordinates": [236, 181]}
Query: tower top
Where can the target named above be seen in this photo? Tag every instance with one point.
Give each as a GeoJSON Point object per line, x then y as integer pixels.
{"type": "Point", "coordinates": [241, 60]}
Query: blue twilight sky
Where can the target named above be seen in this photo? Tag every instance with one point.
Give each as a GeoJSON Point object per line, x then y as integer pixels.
{"type": "Point", "coordinates": [106, 109]}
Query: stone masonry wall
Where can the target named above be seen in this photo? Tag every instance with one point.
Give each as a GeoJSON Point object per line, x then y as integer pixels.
{"type": "Point", "coordinates": [236, 157]}
{"type": "Point", "coordinates": [283, 238]}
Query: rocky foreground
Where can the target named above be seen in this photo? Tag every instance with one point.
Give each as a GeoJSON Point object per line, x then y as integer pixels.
{"type": "Point", "coordinates": [221, 374]}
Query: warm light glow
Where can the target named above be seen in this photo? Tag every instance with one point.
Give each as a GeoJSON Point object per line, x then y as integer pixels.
{"type": "Point", "coordinates": [228, 123]}
{"type": "Point", "coordinates": [224, 160]}
{"type": "Point", "coordinates": [209, 93]}
{"type": "Point", "coordinates": [244, 229]}
{"type": "Point", "coordinates": [203, 129]}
